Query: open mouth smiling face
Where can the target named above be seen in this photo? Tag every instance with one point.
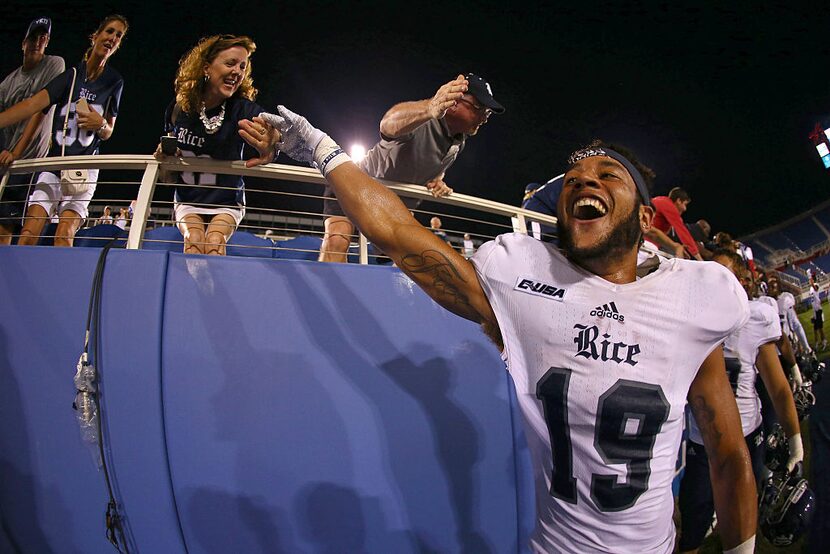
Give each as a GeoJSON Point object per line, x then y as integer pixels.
{"type": "Point", "coordinates": [588, 208]}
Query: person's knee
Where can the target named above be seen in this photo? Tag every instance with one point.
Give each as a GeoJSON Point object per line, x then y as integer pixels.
{"type": "Point", "coordinates": [6, 234]}
{"type": "Point", "coordinates": [215, 243]}
{"type": "Point", "coordinates": [337, 242]}
{"type": "Point", "coordinates": [194, 242]}
{"type": "Point", "coordinates": [64, 234]}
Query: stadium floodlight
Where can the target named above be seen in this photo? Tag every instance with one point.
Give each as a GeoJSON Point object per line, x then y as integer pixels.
{"type": "Point", "coordinates": [824, 153]}
{"type": "Point", "coordinates": [357, 152]}
{"type": "Point", "coordinates": [821, 139]}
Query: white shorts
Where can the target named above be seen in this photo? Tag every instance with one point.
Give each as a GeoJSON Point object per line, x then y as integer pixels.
{"type": "Point", "coordinates": [182, 210]}
{"type": "Point", "coordinates": [47, 194]}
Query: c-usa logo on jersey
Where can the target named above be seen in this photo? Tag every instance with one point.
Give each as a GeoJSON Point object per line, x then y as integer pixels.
{"type": "Point", "coordinates": [538, 288]}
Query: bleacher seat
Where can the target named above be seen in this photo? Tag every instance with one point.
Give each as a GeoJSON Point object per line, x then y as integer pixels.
{"type": "Point", "coordinates": [163, 238]}
{"type": "Point", "coordinates": [778, 241]}
{"type": "Point", "coordinates": [299, 248]}
{"type": "Point", "coordinates": [824, 217]}
{"type": "Point", "coordinates": [99, 235]}
{"type": "Point", "coordinates": [243, 243]}
{"type": "Point", "coordinates": [47, 236]}
{"type": "Point", "coordinates": [823, 262]}
{"type": "Point", "coordinates": [805, 233]}
{"type": "Point", "coordinates": [802, 278]}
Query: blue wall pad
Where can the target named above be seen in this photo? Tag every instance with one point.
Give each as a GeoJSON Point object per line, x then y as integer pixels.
{"type": "Point", "coordinates": [255, 405]}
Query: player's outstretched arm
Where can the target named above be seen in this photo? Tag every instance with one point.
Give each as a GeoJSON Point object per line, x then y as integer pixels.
{"type": "Point", "coordinates": [730, 467]}
{"type": "Point", "coordinates": [380, 215]}
{"type": "Point", "coordinates": [438, 269]}
{"type": "Point", "coordinates": [782, 399]}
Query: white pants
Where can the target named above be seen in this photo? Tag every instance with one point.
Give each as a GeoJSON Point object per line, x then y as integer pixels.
{"type": "Point", "coordinates": [47, 194]}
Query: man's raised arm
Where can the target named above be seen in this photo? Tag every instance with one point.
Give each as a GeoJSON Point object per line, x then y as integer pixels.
{"type": "Point", "coordinates": [380, 215]}
{"type": "Point", "coordinates": [405, 117]}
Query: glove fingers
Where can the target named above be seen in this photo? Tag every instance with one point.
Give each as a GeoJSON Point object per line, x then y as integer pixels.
{"type": "Point", "coordinates": [274, 121]}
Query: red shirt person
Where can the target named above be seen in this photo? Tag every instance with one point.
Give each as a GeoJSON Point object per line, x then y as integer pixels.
{"type": "Point", "coordinates": [669, 215]}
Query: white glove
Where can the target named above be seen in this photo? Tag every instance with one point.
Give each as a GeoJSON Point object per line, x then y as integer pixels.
{"type": "Point", "coordinates": [305, 143]}
{"type": "Point", "coordinates": [796, 452]}
{"type": "Point", "coordinates": [746, 547]}
{"type": "Point", "coordinates": [797, 380]}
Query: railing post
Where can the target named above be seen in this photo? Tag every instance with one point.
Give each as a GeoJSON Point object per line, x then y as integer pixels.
{"type": "Point", "coordinates": [3, 180]}
{"type": "Point", "coordinates": [519, 225]}
{"type": "Point", "coordinates": [362, 248]}
{"type": "Point", "coordinates": [142, 205]}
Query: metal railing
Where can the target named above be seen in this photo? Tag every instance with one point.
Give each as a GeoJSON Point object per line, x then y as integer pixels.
{"type": "Point", "coordinates": [509, 218]}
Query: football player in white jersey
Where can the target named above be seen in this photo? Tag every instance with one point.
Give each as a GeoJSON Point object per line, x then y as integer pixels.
{"type": "Point", "coordinates": [748, 348]}
{"type": "Point", "coordinates": [789, 317]}
{"type": "Point", "coordinates": [603, 363]}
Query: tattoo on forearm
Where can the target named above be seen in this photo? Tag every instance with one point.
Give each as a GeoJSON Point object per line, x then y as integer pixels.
{"type": "Point", "coordinates": [445, 277]}
{"type": "Point", "coordinates": [705, 417]}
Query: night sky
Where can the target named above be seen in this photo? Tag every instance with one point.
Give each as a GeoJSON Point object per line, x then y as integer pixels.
{"type": "Point", "coordinates": [718, 100]}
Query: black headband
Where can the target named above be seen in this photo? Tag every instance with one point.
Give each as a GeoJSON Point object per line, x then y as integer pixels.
{"type": "Point", "coordinates": [635, 174]}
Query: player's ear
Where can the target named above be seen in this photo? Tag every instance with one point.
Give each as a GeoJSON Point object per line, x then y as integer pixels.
{"type": "Point", "coordinates": [646, 218]}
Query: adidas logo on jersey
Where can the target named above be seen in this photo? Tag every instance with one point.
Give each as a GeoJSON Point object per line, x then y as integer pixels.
{"type": "Point", "coordinates": [538, 288]}
{"type": "Point", "coordinates": [608, 310]}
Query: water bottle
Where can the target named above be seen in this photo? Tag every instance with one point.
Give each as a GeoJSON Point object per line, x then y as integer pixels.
{"type": "Point", "coordinates": [87, 411]}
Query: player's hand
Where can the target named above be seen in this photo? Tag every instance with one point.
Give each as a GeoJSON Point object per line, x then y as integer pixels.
{"type": "Point", "coordinates": [439, 188]}
{"type": "Point", "coordinates": [299, 137]}
{"type": "Point", "coordinates": [261, 135]}
{"type": "Point", "coordinates": [447, 96]}
{"type": "Point", "coordinates": [798, 381]}
{"type": "Point", "coordinates": [796, 453]}
{"type": "Point", "coordinates": [161, 156]}
{"type": "Point", "coordinates": [89, 121]}
{"type": "Point", "coordinates": [6, 159]}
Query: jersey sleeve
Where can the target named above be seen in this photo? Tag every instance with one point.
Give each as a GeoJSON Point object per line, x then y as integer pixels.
{"type": "Point", "coordinates": [483, 261]}
{"type": "Point", "coordinates": [728, 307]}
{"type": "Point", "coordinates": [115, 100]}
{"type": "Point", "coordinates": [764, 319]}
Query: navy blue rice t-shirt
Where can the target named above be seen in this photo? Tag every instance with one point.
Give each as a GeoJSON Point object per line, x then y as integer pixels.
{"type": "Point", "coordinates": [224, 144]}
{"type": "Point", "coordinates": [103, 95]}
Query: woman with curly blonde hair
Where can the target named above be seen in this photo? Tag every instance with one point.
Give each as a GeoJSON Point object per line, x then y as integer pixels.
{"type": "Point", "coordinates": [213, 116]}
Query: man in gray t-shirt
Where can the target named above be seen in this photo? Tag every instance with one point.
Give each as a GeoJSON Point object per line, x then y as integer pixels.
{"type": "Point", "coordinates": [419, 141]}
{"type": "Point", "coordinates": [29, 138]}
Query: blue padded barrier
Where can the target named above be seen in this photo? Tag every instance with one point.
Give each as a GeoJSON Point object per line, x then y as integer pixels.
{"type": "Point", "coordinates": [300, 407]}
{"type": "Point", "coordinates": [52, 496]}
{"type": "Point", "coordinates": [342, 411]}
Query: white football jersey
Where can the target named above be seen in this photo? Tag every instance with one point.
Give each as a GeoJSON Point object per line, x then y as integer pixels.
{"type": "Point", "coordinates": [768, 300]}
{"type": "Point", "coordinates": [786, 309]}
{"type": "Point", "coordinates": [740, 351]}
{"type": "Point", "coordinates": [602, 372]}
